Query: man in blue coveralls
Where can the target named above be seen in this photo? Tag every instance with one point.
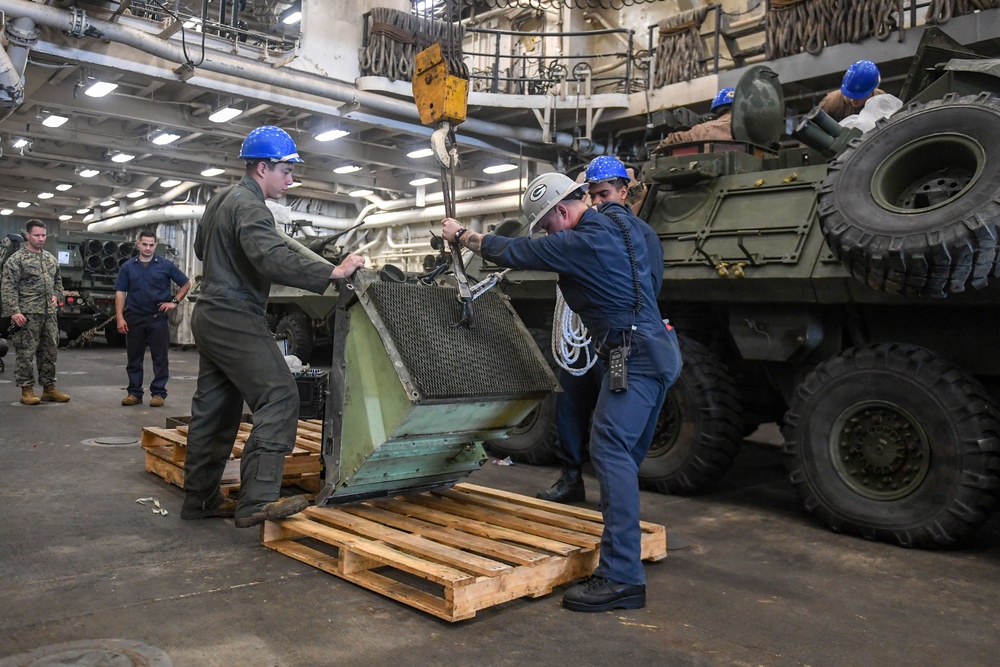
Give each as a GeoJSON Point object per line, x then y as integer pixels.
{"type": "Point", "coordinates": [608, 182]}
{"type": "Point", "coordinates": [603, 266]}
{"type": "Point", "coordinates": [143, 300]}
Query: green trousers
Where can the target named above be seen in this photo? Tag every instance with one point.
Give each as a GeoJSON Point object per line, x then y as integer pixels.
{"type": "Point", "coordinates": [239, 361]}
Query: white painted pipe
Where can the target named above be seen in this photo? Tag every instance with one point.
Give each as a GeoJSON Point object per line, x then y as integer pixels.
{"type": "Point", "coordinates": [149, 217]}
{"type": "Point", "coordinates": [509, 204]}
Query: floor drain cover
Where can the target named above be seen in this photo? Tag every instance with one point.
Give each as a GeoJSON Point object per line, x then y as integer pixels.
{"type": "Point", "coordinates": [92, 653]}
{"type": "Point", "coordinates": [112, 441]}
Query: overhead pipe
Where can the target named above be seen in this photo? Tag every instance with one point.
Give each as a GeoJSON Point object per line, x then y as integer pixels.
{"type": "Point", "coordinates": [149, 202]}
{"type": "Point", "coordinates": [77, 23]}
{"type": "Point", "coordinates": [21, 36]}
{"type": "Point", "coordinates": [508, 204]}
{"type": "Point", "coordinates": [149, 217]}
{"type": "Point", "coordinates": [502, 188]}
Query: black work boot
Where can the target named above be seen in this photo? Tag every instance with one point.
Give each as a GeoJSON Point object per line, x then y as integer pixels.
{"type": "Point", "coordinates": [279, 509]}
{"type": "Point", "coordinates": [567, 489]}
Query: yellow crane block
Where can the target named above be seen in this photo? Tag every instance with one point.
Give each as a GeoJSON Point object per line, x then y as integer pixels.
{"type": "Point", "coordinates": [440, 96]}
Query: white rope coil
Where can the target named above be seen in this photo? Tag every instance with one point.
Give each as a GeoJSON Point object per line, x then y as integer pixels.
{"type": "Point", "coordinates": [569, 338]}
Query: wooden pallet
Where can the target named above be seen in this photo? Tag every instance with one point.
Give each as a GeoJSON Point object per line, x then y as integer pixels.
{"type": "Point", "coordinates": [452, 552]}
{"type": "Point", "coordinates": [166, 448]}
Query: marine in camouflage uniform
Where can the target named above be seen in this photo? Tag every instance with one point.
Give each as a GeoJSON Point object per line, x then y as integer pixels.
{"type": "Point", "coordinates": [32, 286]}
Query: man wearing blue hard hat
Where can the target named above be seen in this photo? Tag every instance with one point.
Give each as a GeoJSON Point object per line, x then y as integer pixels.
{"type": "Point", "coordinates": [719, 128]}
{"type": "Point", "coordinates": [242, 254]}
{"type": "Point", "coordinates": [860, 83]}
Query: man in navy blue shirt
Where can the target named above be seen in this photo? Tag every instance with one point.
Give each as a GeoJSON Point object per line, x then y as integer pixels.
{"type": "Point", "coordinates": [143, 300]}
{"type": "Point", "coordinates": [604, 274]}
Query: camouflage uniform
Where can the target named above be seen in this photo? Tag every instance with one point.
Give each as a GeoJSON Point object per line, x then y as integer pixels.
{"type": "Point", "coordinates": [30, 280]}
{"type": "Point", "coordinates": [839, 107]}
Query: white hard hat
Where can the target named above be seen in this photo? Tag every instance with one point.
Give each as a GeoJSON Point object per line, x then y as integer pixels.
{"type": "Point", "coordinates": [544, 192]}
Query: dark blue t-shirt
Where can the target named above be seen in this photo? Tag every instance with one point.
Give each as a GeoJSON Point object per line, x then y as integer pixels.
{"type": "Point", "coordinates": [148, 283]}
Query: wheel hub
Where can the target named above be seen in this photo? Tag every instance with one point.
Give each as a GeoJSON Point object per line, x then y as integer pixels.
{"type": "Point", "coordinates": [880, 451]}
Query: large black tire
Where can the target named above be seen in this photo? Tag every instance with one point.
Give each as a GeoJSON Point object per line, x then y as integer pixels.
{"type": "Point", "coordinates": [700, 428]}
{"type": "Point", "coordinates": [298, 331]}
{"type": "Point", "coordinates": [913, 208]}
{"type": "Point", "coordinates": [893, 443]}
{"type": "Point", "coordinates": [534, 440]}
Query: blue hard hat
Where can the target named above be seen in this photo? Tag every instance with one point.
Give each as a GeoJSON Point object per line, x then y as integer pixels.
{"type": "Point", "coordinates": [723, 97]}
{"type": "Point", "coordinates": [604, 168]}
{"type": "Point", "coordinates": [269, 143]}
{"type": "Point", "coordinates": [860, 80]}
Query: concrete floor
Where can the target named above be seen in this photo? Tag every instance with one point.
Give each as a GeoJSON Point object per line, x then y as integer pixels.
{"type": "Point", "coordinates": [760, 584]}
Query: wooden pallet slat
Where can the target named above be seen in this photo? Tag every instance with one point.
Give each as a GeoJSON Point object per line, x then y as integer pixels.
{"type": "Point", "coordinates": [450, 553]}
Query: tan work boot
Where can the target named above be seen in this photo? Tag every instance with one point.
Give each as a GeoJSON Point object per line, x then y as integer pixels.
{"type": "Point", "coordinates": [53, 394]}
{"type": "Point", "coordinates": [156, 402]}
{"type": "Point", "coordinates": [28, 396]}
{"type": "Point", "coordinates": [131, 399]}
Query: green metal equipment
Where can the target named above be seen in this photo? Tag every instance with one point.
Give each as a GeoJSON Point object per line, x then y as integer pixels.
{"type": "Point", "coordinates": [412, 396]}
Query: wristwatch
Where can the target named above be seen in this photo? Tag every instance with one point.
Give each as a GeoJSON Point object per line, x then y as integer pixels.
{"type": "Point", "coordinates": [174, 300]}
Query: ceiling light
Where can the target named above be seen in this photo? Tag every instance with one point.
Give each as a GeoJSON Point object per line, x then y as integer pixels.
{"type": "Point", "coordinates": [347, 169]}
{"type": "Point", "coordinates": [165, 138]}
{"type": "Point", "coordinates": [100, 88]}
{"type": "Point", "coordinates": [192, 23]}
{"type": "Point", "coordinates": [122, 157]}
{"type": "Point", "coordinates": [295, 184]}
{"type": "Point", "coordinates": [360, 193]}
{"type": "Point", "coordinates": [52, 120]}
{"type": "Point", "coordinates": [169, 183]}
{"type": "Point", "coordinates": [330, 135]}
{"type": "Point", "coordinates": [63, 187]}
{"type": "Point", "coordinates": [45, 195]}
{"type": "Point", "coordinates": [87, 173]}
{"type": "Point", "coordinates": [20, 143]}
{"type": "Point", "coordinates": [225, 114]}
{"type": "Point", "coordinates": [427, 180]}
{"type": "Point", "coordinates": [498, 168]}
{"type": "Point", "coordinates": [82, 211]}
{"type": "Point", "coordinates": [6, 211]}
{"type": "Point", "coordinates": [419, 153]}
{"type": "Point", "coordinates": [292, 15]}
{"type": "Point", "coordinates": [108, 202]}
{"type": "Point", "coordinates": [137, 193]}
{"type": "Point", "coordinates": [65, 217]}
{"type": "Point", "coordinates": [212, 171]}
{"type": "Point", "coordinates": [23, 204]}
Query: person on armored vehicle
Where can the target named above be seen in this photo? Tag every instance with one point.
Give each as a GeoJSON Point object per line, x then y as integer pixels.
{"type": "Point", "coordinates": [860, 83]}
{"type": "Point", "coordinates": [603, 266]}
{"type": "Point", "coordinates": [719, 128]}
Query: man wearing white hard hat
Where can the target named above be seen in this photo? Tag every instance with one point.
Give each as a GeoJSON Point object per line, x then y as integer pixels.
{"type": "Point", "coordinates": [603, 266]}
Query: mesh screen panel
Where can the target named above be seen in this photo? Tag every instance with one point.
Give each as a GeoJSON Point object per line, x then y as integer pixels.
{"type": "Point", "coordinates": [494, 358]}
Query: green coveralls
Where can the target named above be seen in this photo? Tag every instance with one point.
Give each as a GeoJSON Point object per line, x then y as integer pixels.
{"type": "Point", "coordinates": [30, 280]}
{"type": "Point", "coordinates": [242, 253]}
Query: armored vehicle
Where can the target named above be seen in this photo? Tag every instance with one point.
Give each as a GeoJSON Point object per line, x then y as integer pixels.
{"type": "Point", "coordinates": [844, 290]}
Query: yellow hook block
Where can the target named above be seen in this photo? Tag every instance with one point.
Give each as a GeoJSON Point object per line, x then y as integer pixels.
{"type": "Point", "coordinates": [439, 95]}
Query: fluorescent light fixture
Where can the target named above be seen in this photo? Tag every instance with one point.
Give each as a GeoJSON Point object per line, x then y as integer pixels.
{"type": "Point", "coordinates": [427, 180]}
{"type": "Point", "coordinates": [23, 204]}
{"type": "Point", "coordinates": [52, 120]}
{"type": "Point", "coordinates": [65, 217]}
{"type": "Point", "coordinates": [122, 157]}
{"type": "Point", "coordinates": [169, 183]}
{"type": "Point", "coordinates": [134, 194]}
{"type": "Point", "coordinates": [63, 187]}
{"type": "Point", "coordinates": [100, 88]}
{"type": "Point", "coordinates": [292, 18]}
{"type": "Point", "coordinates": [165, 138]}
{"type": "Point", "coordinates": [225, 115]}
{"type": "Point", "coordinates": [498, 168]}
{"type": "Point", "coordinates": [192, 23]}
{"type": "Point", "coordinates": [45, 195]}
{"type": "Point", "coordinates": [88, 173]}
{"type": "Point", "coordinates": [83, 211]}
{"type": "Point", "coordinates": [20, 143]}
{"type": "Point", "coordinates": [6, 211]}
{"type": "Point", "coordinates": [360, 193]}
{"type": "Point", "coordinates": [295, 184]}
{"type": "Point", "coordinates": [330, 135]}
{"type": "Point", "coordinates": [212, 171]}
{"type": "Point", "coordinates": [347, 169]}
{"type": "Point", "coordinates": [419, 153]}
{"type": "Point", "coordinates": [108, 202]}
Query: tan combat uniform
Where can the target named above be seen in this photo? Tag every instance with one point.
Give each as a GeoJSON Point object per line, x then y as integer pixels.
{"type": "Point", "coordinates": [720, 129]}
{"type": "Point", "coordinates": [30, 280]}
